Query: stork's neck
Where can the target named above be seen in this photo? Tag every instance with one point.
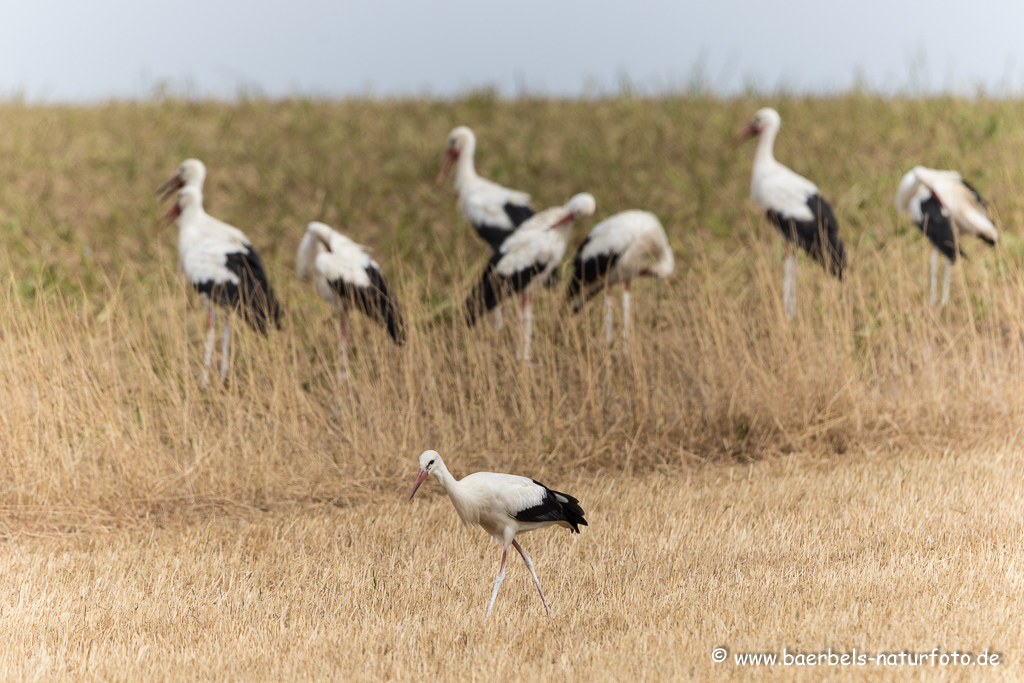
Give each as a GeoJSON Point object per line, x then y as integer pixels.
{"type": "Point", "coordinates": [766, 146]}
{"type": "Point", "coordinates": [465, 173]}
{"type": "Point", "coordinates": [447, 481]}
{"type": "Point", "coordinates": [455, 490]}
{"type": "Point", "coordinates": [189, 225]}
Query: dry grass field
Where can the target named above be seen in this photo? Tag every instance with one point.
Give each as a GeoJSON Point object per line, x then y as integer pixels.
{"type": "Point", "coordinates": [850, 479]}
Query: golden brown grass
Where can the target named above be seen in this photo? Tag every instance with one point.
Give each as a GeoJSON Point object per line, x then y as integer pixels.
{"type": "Point", "coordinates": [771, 479]}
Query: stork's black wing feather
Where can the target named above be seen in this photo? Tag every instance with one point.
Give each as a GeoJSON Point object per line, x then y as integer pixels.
{"type": "Point", "coordinates": [555, 506]}
{"type": "Point", "coordinates": [819, 236]}
{"type": "Point", "coordinates": [252, 296]}
{"type": "Point", "coordinates": [493, 287]}
{"type": "Point", "coordinates": [375, 300]}
{"type": "Point", "coordinates": [588, 275]}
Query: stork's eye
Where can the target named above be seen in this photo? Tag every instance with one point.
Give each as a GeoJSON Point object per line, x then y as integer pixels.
{"type": "Point", "coordinates": [430, 464]}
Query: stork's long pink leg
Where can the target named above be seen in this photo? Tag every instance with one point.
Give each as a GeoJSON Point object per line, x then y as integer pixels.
{"type": "Point", "coordinates": [609, 317]}
{"type": "Point", "coordinates": [211, 322]}
{"type": "Point", "coordinates": [225, 356]}
{"type": "Point", "coordinates": [529, 565]}
{"type": "Point", "coordinates": [625, 314]}
{"type": "Point", "coordinates": [528, 324]}
{"type": "Point", "coordinates": [497, 581]}
{"type": "Point", "coordinates": [343, 346]}
{"type": "Point", "coordinates": [789, 281]}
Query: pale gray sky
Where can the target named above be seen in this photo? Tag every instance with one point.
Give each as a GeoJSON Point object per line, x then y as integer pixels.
{"type": "Point", "coordinates": [60, 50]}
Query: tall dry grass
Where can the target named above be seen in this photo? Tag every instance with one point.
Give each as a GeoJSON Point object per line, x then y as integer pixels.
{"type": "Point", "coordinates": [101, 341]}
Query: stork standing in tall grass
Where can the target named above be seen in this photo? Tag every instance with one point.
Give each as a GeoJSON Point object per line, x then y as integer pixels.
{"type": "Point", "coordinates": [794, 206]}
{"type": "Point", "coordinates": [494, 211]}
{"type": "Point", "coordinates": [944, 206]}
{"type": "Point", "coordinates": [620, 248]}
{"type": "Point", "coordinates": [221, 264]}
{"type": "Point", "coordinates": [345, 276]}
{"type": "Point", "coordinates": [503, 505]}
{"type": "Point", "coordinates": [528, 258]}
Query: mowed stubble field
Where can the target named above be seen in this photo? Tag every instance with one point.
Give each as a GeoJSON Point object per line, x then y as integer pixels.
{"type": "Point", "coordinates": [850, 479]}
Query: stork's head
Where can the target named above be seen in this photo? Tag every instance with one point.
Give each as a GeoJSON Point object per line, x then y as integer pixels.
{"type": "Point", "coordinates": [191, 173]}
{"type": "Point", "coordinates": [461, 140]}
{"type": "Point", "coordinates": [188, 198]}
{"type": "Point", "coordinates": [764, 119]}
{"type": "Point", "coordinates": [430, 461]}
{"type": "Point", "coordinates": [579, 206]}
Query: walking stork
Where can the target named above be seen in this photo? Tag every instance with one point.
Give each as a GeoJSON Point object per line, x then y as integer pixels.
{"type": "Point", "coordinates": [504, 505]}
{"type": "Point", "coordinates": [944, 206]}
{"type": "Point", "coordinates": [628, 245]}
{"type": "Point", "coordinates": [793, 204]}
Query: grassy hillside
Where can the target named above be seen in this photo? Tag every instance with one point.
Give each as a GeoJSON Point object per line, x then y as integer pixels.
{"type": "Point", "coordinates": [102, 342]}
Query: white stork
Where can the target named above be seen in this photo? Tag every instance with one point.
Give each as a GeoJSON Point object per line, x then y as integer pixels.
{"type": "Point", "coordinates": [192, 173]}
{"type": "Point", "coordinates": [224, 271]}
{"type": "Point", "coordinates": [794, 205]}
{"type": "Point", "coordinates": [504, 505]}
{"type": "Point", "coordinates": [494, 211]}
{"type": "Point", "coordinates": [345, 276]}
{"type": "Point", "coordinates": [526, 259]}
{"type": "Point", "coordinates": [944, 206]}
{"type": "Point", "coordinates": [625, 246]}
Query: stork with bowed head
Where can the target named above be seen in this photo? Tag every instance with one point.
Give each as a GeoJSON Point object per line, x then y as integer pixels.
{"type": "Point", "coordinates": [944, 206]}
{"type": "Point", "coordinates": [504, 505]}
{"type": "Point", "coordinates": [225, 270]}
{"type": "Point", "coordinates": [494, 211]}
{"type": "Point", "coordinates": [528, 258]}
{"type": "Point", "coordinates": [626, 246]}
{"type": "Point", "coordinates": [345, 276]}
{"type": "Point", "coordinates": [793, 205]}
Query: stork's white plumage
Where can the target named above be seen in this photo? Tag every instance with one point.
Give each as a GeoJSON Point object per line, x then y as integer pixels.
{"type": "Point", "coordinates": [628, 245]}
{"type": "Point", "coordinates": [224, 271]}
{"type": "Point", "coordinates": [494, 211]}
{"type": "Point", "coordinates": [503, 505]}
{"type": "Point", "coordinates": [944, 206]}
{"type": "Point", "coordinates": [345, 276]}
{"type": "Point", "coordinates": [528, 258]}
{"type": "Point", "coordinates": [793, 204]}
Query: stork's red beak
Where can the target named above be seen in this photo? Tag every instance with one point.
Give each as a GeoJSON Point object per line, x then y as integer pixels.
{"type": "Point", "coordinates": [171, 215]}
{"type": "Point", "coordinates": [419, 480]}
{"type": "Point", "coordinates": [744, 135]}
{"type": "Point", "coordinates": [446, 165]}
{"type": "Point", "coordinates": [567, 218]}
{"type": "Point", "coordinates": [170, 187]}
